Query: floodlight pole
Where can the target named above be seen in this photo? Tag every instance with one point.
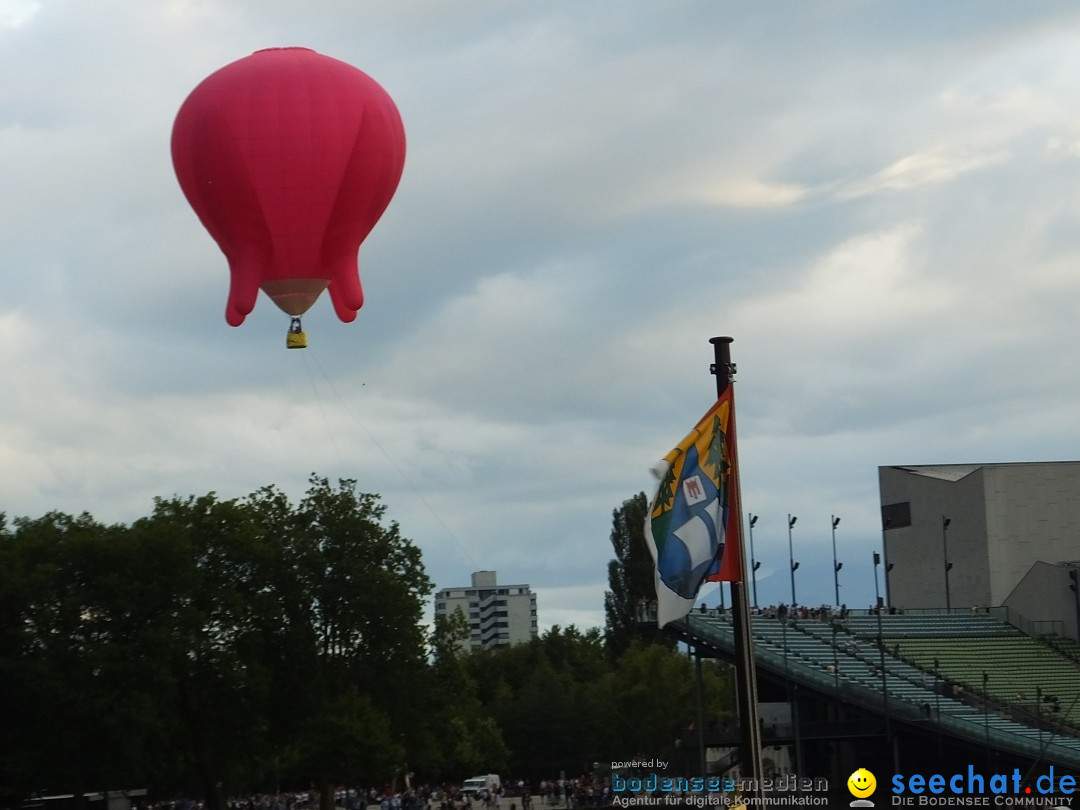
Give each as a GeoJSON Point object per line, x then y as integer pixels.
{"type": "Point", "coordinates": [791, 556]}
{"type": "Point", "coordinates": [948, 565]}
{"type": "Point", "coordinates": [745, 677]}
{"type": "Point", "coordinates": [881, 651]}
{"type": "Point", "coordinates": [885, 523]}
{"type": "Point", "coordinates": [1038, 714]}
{"type": "Point", "coordinates": [754, 564]}
{"type": "Point", "coordinates": [1074, 578]}
{"type": "Point", "coordinates": [836, 566]}
{"type": "Point", "coordinates": [937, 704]}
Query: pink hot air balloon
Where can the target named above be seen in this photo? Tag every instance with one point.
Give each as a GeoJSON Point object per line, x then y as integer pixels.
{"type": "Point", "coordinates": [289, 158]}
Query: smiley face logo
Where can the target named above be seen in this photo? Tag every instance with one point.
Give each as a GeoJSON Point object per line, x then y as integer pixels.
{"type": "Point", "coordinates": [861, 783]}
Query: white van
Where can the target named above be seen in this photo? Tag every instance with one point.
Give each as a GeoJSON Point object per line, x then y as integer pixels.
{"type": "Point", "coordinates": [489, 782]}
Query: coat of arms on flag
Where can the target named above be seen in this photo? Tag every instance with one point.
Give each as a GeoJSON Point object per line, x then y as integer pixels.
{"type": "Point", "coordinates": [691, 528]}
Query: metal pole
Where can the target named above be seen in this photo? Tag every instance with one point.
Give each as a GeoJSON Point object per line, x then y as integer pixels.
{"type": "Point", "coordinates": [787, 681]}
{"type": "Point", "coordinates": [885, 522]}
{"type": "Point", "coordinates": [796, 725]}
{"type": "Point", "coordinates": [881, 650]}
{"type": "Point", "coordinates": [754, 564]}
{"type": "Point", "coordinates": [1038, 714]}
{"type": "Point", "coordinates": [937, 702]}
{"type": "Point", "coordinates": [835, 565]}
{"type": "Point", "coordinates": [948, 565]}
{"type": "Point", "coordinates": [792, 696]}
{"type": "Point", "coordinates": [745, 676]}
{"type": "Point", "coordinates": [937, 688]}
{"type": "Point", "coordinates": [791, 556]}
{"type": "Point", "coordinates": [783, 640]}
{"type": "Point", "coordinates": [1075, 588]}
{"type": "Point", "coordinates": [835, 658]}
{"type": "Point", "coordinates": [700, 709]}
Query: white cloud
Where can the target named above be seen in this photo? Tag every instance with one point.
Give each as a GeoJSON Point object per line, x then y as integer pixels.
{"type": "Point", "coordinates": [14, 13]}
{"type": "Point", "coordinates": [1067, 145]}
{"type": "Point", "coordinates": [754, 194]}
{"type": "Point", "coordinates": [869, 282]}
{"type": "Point", "coordinates": [931, 167]}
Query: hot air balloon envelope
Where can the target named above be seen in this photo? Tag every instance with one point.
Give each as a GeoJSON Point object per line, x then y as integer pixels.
{"type": "Point", "coordinates": [289, 158]}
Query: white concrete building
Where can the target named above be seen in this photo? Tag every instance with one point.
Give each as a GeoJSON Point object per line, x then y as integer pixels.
{"type": "Point", "coordinates": [497, 614]}
{"type": "Point", "coordinates": [963, 535]}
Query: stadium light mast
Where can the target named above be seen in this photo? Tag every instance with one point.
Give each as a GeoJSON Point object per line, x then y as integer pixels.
{"type": "Point", "coordinates": [1038, 712]}
{"type": "Point", "coordinates": [881, 649]}
{"type": "Point", "coordinates": [791, 555]}
{"type": "Point", "coordinates": [948, 565]}
{"type": "Point", "coordinates": [886, 522]}
{"type": "Point", "coordinates": [754, 564]}
{"type": "Point", "coordinates": [937, 702]}
{"type": "Point", "coordinates": [835, 565]}
{"type": "Point", "coordinates": [1075, 588]}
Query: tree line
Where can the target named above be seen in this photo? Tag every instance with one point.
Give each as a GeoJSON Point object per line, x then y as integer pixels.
{"type": "Point", "coordinates": [219, 647]}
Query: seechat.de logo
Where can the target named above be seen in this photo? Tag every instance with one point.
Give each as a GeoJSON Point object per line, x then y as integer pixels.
{"type": "Point", "coordinates": [861, 784]}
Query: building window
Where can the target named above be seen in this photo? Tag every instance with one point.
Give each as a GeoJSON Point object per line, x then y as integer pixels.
{"type": "Point", "coordinates": [896, 515]}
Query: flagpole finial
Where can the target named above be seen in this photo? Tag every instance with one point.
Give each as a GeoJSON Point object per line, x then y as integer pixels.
{"type": "Point", "coordinates": [723, 369]}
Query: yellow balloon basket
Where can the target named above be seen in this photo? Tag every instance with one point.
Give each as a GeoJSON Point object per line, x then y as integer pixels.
{"type": "Point", "coordinates": [295, 338]}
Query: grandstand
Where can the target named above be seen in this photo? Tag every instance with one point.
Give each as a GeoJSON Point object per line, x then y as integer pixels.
{"type": "Point", "coordinates": [982, 654]}
{"type": "Point", "coordinates": [976, 680]}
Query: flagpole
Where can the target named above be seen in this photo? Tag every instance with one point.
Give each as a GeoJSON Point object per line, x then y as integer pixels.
{"type": "Point", "coordinates": [745, 676]}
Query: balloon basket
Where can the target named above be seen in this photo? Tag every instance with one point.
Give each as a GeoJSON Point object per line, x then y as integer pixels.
{"type": "Point", "coordinates": [295, 338]}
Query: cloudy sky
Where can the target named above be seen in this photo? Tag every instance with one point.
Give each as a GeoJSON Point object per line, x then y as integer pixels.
{"type": "Point", "coordinates": [880, 202]}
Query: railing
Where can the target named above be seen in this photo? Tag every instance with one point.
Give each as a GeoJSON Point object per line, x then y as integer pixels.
{"type": "Point", "coordinates": [1047, 627]}
{"type": "Point", "coordinates": [1032, 627]}
{"type": "Point", "coordinates": [1013, 617]}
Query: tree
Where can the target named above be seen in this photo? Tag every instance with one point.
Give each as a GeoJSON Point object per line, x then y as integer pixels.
{"type": "Point", "coordinates": [211, 647]}
{"type": "Point", "coordinates": [361, 596]}
{"type": "Point", "coordinates": [79, 663]}
{"type": "Point", "coordinates": [630, 579]}
{"type": "Point", "coordinates": [650, 700]}
{"type": "Point", "coordinates": [542, 696]}
{"type": "Point", "coordinates": [468, 738]}
{"type": "Point", "coordinates": [208, 609]}
{"type": "Point", "coordinates": [349, 741]}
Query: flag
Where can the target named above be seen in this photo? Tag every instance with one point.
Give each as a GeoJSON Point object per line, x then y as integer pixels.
{"type": "Point", "coordinates": [691, 527]}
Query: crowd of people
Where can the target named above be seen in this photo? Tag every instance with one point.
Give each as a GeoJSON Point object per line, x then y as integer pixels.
{"type": "Point", "coordinates": [583, 791]}
{"type": "Point", "coordinates": [823, 613]}
{"type": "Point", "coordinates": [783, 611]}
{"type": "Point", "coordinates": [646, 611]}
